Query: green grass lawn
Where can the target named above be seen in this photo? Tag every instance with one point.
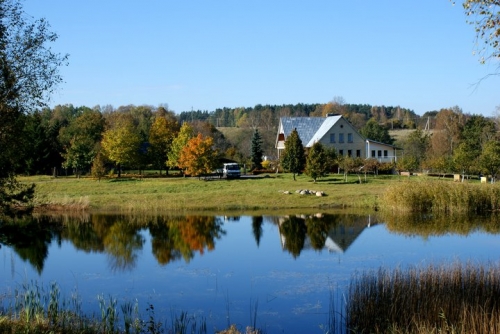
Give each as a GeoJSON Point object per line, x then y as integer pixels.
{"type": "Point", "coordinates": [167, 194]}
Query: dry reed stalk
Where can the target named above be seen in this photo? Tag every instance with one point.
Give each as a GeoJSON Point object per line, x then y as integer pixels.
{"type": "Point", "coordinates": [438, 196]}
{"type": "Point", "coordinates": [457, 298]}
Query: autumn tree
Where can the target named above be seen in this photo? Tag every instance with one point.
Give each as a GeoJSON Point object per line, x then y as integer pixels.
{"type": "Point", "coordinates": [198, 157]}
{"type": "Point", "coordinates": [178, 144]}
{"type": "Point", "coordinates": [257, 151]}
{"type": "Point", "coordinates": [489, 159]}
{"type": "Point", "coordinates": [98, 169]}
{"type": "Point", "coordinates": [122, 143]}
{"type": "Point", "coordinates": [371, 166]}
{"type": "Point", "coordinates": [446, 132]}
{"type": "Point", "coordinates": [464, 159]}
{"type": "Point", "coordinates": [161, 135]}
{"type": "Point", "coordinates": [349, 165]}
{"type": "Point", "coordinates": [209, 130]}
{"type": "Point", "coordinates": [293, 159]}
{"type": "Point", "coordinates": [29, 74]}
{"type": "Point", "coordinates": [485, 16]}
{"type": "Point", "coordinates": [316, 161]}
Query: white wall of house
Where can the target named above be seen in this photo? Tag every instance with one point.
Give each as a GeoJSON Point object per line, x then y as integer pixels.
{"type": "Point", "coordinates": [345, 139]}
{"type": "Point", "coordinates": [337, 132]}
{"type": "Point", "coordinates": [381, 152]}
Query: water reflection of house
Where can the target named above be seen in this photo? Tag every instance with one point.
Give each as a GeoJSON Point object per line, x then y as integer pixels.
{"type": "Point", "coordinates": [341, 235]}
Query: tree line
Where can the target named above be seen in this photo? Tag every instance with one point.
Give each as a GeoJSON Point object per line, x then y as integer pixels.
{"type": "Point", "coordinates": [267, 116]}
{"type": "Point", "coordinates": [459, 143]}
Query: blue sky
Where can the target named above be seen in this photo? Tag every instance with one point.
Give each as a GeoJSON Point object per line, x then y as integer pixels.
{"type": "Point", "coordinates": [212, 54]}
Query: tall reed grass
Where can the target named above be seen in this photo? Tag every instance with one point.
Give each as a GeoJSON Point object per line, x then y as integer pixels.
{"type": "Point", "coordinates": [458, 298]}
{"type": "Point", "coordinates": [439, 196]}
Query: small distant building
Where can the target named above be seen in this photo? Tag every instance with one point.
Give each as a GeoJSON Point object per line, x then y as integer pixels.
{"type": "Point", "coordinates": [333, 131]}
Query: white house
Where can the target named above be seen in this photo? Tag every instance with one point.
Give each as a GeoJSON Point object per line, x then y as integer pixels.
{"type": "Point", "coordinates": [336, 131]}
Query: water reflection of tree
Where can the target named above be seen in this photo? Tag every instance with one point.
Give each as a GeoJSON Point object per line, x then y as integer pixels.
{"type": "Point", "coordinates": [84, 236]}
{"type": "Point", "coordinates": [184, 236]}
{"type": "Point", "coordinates": [294, 231]}
{"type": "Point", "coordinates": [121, 244]}
{"type": "Point", "coordinates": [318, 227]}
{"type": "Point", "coordinates": [29, 237]}
{"type": "Point", "coordinates": [437, 225]}
{"type": "Point", "coordinates": [257, 222]}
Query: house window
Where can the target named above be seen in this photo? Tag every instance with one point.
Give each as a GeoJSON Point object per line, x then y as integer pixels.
{"type": "Point", "coordinates": [379, 153]}
{"type": "Point", "coordinates": [332, 137]}
{"type": "Point", "coordinates": [349, 153]}
{"type": "Point", "coordinates": [373, 153]}
{"type": "Point", "coordinates": [341, 153]}
{"type": "Point", "coordinates": [385, 154]}
{"type": "Point", "coordinates": [341, 137]}
{"type": "Point", "coordinates": [349, 137]}
{"type": "Point", "coordinates": [358, 153]}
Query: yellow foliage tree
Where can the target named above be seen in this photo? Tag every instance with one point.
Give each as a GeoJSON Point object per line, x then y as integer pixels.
{"type": "Point", "coordinates": [161, 135]}
{"type": "Point", "coordinates": [122, 144]}
{"type": "Point", "coordinates": [198, 157]}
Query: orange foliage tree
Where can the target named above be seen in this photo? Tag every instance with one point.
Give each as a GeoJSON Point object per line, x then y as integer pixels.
{"type": "Point", "coordinates": [198, 157]}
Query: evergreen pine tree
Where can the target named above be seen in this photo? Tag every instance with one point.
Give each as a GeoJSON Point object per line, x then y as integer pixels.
{"type": "Point", "coordinates": [293, 159]}
{"type": "Point", "coordinates": [317, 161]}
{"type": "Point", "coordinates": [257, 151]}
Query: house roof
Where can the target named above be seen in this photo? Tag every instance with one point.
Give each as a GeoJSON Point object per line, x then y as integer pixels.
{"type": "Point", "coordinates": [323, 129]}
{"type": "Point", "coordinates": [378, 142]}
{"type": "Point", "coordinates": [307, 127]}
{"type": "Point", "coordinates": [313, 129]}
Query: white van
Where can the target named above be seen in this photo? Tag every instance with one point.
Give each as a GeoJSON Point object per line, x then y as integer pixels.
{"type": "Point", "coordinates": [231, 170]}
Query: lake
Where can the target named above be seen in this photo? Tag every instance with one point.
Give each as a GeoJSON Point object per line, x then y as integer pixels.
{"type": "Point", "coordinates": [282, 273]}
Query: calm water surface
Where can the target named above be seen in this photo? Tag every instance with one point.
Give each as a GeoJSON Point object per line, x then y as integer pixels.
{"type": "Point", "coordinates": [282, 268]}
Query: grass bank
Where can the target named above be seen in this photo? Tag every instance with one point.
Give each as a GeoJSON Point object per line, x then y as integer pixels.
{"type": "Point", "coordinates": [176, 194]}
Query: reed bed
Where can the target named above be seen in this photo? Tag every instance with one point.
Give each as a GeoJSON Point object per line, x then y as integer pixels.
{"type": "Point", "coordinates": [439, 196]}
{"type": "Point", "coordinates": [458, 298]}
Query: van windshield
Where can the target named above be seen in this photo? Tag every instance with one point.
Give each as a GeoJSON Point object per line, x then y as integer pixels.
{"type": "Point", "coordinates": [233, 167]}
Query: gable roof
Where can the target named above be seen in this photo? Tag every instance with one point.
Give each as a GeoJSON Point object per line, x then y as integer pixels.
{"type": "Point", "coordinates": [307, 127]}
{"type": "Point", "coordinates": [328, 122]}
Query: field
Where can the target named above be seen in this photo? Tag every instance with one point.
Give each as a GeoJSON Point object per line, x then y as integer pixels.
{"type": "Point", "coordinates": [177, 194]}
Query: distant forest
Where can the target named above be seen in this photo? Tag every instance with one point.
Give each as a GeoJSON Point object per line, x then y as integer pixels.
{"type": "Point", "coordinates": [267, 116]}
